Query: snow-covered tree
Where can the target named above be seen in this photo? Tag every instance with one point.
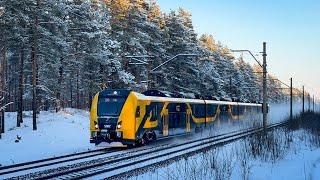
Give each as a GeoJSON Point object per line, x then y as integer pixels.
{"type": "Point", "coordinates": [70, 49]}
{"type": "Point", "coordinates": [182, 73]}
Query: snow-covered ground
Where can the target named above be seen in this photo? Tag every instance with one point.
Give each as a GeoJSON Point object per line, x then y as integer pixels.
{"type": "Point", "coordinates": [304, 164]}
{"type": "Point", "coordinates": [295, 160]}
{"type": "Point", "coordinates": [59, 133]}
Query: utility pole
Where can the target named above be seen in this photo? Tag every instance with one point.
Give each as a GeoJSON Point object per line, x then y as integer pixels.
{"type": "Point", "coordinates": [291, 99]}
{"type": "Point", "coordinates": [302, 99]}
{"type": "Point", "coordinates": [264, 84]}
{"type": "Point", "coordinates": [265, 96]}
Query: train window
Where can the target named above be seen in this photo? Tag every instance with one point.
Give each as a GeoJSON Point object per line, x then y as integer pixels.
{"type": "Point", "coordinates": [198, 110]}
{"type": "Point", "coordinates": [154, 112]}
{"type": "Point", "coordinates": [110, 106]}
{"type": "Point", "coordinates": [182, 120]}
{"type": "Point", "coordinates": [224, 108]}
{"type": "Point", "coordinates": [238, 109]}
{"type": "Point", "coordinates": [172, 120]}
{"type": "Point", "coordinates": [235, 110]}
{"type": "Point", "coordinates": [242, 110]}
{"type": "Point", "coordinates": [138, 112]}
{"type": "Point", "coordinates": [249, 108]}
{"type": "Point", "coordinates": [211, 109]}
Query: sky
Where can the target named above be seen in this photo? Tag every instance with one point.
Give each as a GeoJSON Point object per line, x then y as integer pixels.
{"type": "Point", "coordinates": [291, 29]}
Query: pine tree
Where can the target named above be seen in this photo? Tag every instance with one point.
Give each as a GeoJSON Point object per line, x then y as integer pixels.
{"type": "Point", "coordinates": [208, 42]}
{"type": "Point", "coordinates": [251, 88]}
{"type": "Point", "coordinates": [182, 74]}
{"type": "Point", "coordinates": [58, 53]}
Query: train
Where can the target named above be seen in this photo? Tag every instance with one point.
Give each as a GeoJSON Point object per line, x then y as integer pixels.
{"type": "Point", "coordinates": [131, 118]}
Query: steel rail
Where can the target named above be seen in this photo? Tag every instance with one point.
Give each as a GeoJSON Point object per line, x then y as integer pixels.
{"type": "Point", "coordinates": [108, 150]}
{"type": "Point", "coordinates": [51, 161]}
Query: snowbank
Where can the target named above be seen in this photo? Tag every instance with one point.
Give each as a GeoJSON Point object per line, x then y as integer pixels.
{"type": "Point", "coordinates": [58, 133]}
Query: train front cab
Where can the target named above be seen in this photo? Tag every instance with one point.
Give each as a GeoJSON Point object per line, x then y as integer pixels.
{"type": "Point", "coordinates": [112, 117]}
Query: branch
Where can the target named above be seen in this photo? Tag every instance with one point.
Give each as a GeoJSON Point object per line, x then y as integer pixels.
{"type": "Point", "coordinates": [42, 87]}
{"type": "Point", "coordinates": [5, 92]}
{"type": "Point", "coordinates": [5, 106]}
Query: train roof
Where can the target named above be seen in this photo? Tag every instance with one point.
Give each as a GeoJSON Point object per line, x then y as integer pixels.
{"type": "Point", "coordinates": [178, 97]}
{"type": "Point", "coordinates": [157, 93]}
{"type": "Point", "coordinates": [146, 96]}
{"type": "Point", "coordinates": [160, 93]}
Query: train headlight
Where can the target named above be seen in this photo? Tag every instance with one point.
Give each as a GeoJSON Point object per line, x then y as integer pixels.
{"type": "Point", "coordinates": [96, 125]}
{"type": "Point", "coordinates": [119, 125]}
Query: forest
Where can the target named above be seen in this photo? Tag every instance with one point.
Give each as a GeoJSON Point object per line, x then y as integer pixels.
{"type": "Point", "coordinates": [59, 53]}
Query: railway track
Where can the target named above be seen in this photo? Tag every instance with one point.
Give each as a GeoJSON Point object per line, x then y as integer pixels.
{"type": "Point", "coordinates": [10, 169]}
{"type": "Point", "coordinates": [120, 164]}
{"type": "Point", "coordinates": [17, 171]}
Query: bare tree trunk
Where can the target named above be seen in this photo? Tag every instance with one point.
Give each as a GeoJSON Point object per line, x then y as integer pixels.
{"type": "Point", "coordinates": [4, 67]}
{"type": "Point", "coordinates": [34, 88]}
{"type": "Point", "coordinates": [71, 95]}
{"type": "Point", "coordinates": [59, 101]}
{"type": "Point", "coordinates": [90, 88]}
{"type": "Point", "coordinates": [34, 69]}
{"type": "Point", "coordinates": [2, 88]}
{"type": "Point", "coordinates": [9, 88]}
{"type": "Point", "coordinates": [20, 93]}
{"type": "Point", "coordinates": [78, 91]}
{"type": "Point", "coordinates": [1, 94]}
{"type": "Point", "coordinates": [37, 83]}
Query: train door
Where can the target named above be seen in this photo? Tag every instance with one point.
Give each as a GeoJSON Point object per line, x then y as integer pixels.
{"type": "Point", "coordinates": [173, 119]}
{"type": "Point", "coordinates": [177, 118]}
{"type": "Point", "coordinates": [224, 115]}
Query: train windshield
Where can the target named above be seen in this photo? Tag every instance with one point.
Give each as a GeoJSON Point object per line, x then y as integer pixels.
{"type": "Point", "coordinates": [110, 106]}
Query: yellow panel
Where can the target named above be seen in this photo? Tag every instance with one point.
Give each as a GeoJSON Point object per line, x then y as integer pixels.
{"type": "Point", "coordinates": [148, 124]}
{"type": "Point", "coordinates": [127, 116]}
{"type": "Point", "coordinates": [94, 113]}
{"type": "Point", "coordinates": [164, 114]}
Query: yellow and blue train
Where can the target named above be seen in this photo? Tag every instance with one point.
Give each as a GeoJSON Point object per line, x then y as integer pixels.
{"type": "Point", "coordinates": [132, 118]}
